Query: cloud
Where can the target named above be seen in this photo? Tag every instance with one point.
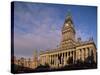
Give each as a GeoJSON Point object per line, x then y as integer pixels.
{"type": "Point", "coordinates": [33, 32]}
{"type": "Point", "coordinates": [25, 44]}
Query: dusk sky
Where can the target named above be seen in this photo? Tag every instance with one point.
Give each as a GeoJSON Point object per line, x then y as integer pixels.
{"type": "Point", "coordinates": [38, 26]}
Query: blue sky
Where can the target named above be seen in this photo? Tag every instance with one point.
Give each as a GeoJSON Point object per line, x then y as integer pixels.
{"type": "Point", "coordinates": [38, 26]}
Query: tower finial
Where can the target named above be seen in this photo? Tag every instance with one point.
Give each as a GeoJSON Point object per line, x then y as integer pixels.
{"type": "Point", "coordinates": [69, 13]}
{"type": "Point", "coordinates": [68, 16]}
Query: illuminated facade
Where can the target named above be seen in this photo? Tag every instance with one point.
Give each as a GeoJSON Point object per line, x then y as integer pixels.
{"type": "Point", "coordinates": [71, 50]}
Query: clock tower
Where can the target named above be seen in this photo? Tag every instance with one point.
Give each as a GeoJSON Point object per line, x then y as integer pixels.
{"type": "Point", "coordinates": [68, 32]}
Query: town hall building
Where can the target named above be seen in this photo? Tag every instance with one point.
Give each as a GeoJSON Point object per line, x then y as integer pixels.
{"type": "Point", "coordinates": [71, 49]}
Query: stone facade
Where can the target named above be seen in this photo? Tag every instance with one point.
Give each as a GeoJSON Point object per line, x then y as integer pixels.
{"type": "Point", "coordinates": [70, 50]}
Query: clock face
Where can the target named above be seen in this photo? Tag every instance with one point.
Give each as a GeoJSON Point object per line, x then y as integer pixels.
{"type": "Point", "coordinates": [67, 25]}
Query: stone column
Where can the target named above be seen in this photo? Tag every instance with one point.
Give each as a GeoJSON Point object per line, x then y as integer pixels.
{"type": "Point", "coordinates": [64, 58]}
{"type": "Point", "coordinates": [54, 60]}
{"type": "Point", "coordinates": [73, 57]}
{"type": "Point", "coordinates": [94, 53]}
{"type": "Point", "coordinates": [86, 53]}
{"type": "Point", "coordinates": [77, 55]}
{"type": "Point", "coordinates": [46, 59]}
{"type": "Point", "coordinates": [67, 56]}
{"type": "Point", "coordinates": [60, 60]}
{"type": "Point", "coordinates": [82, 53]}
{"type": "Point", "coordinates": [49, 59]}
{"type": "Point", "coordinates": [43, 59]}
{"type": "Point", "coordinates": [57, 61]}
{"type": "Point", "coordinates": [71, 54]}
